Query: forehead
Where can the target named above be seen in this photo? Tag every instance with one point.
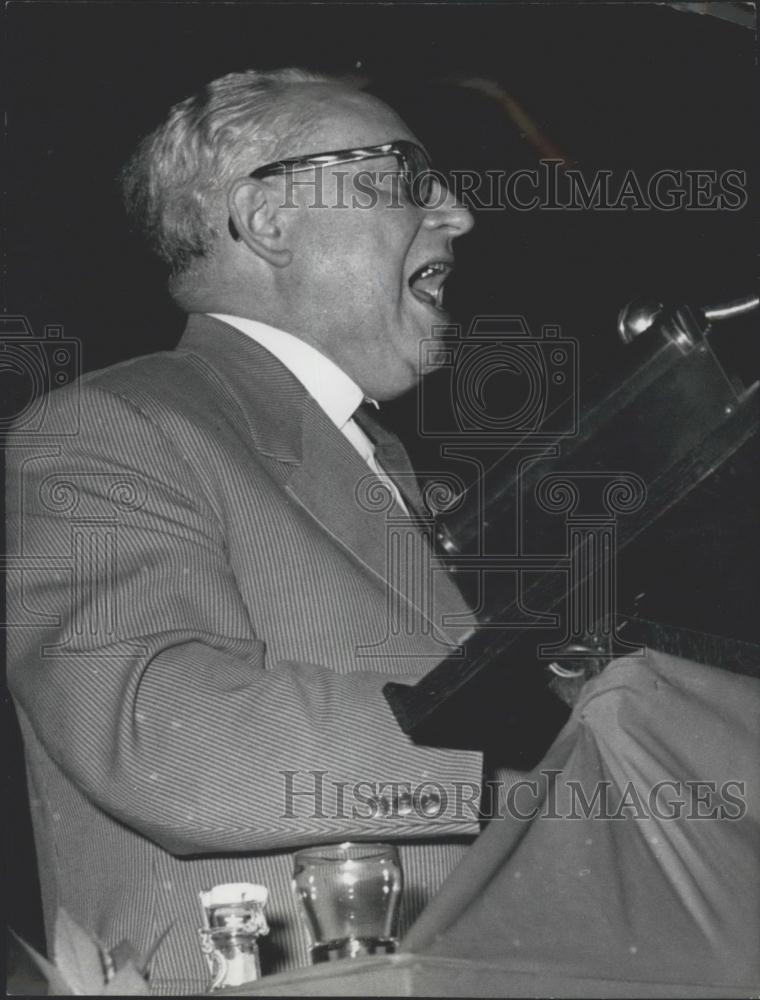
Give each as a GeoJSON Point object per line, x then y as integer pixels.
{"type": "Point", "coordinates": [343, 118]}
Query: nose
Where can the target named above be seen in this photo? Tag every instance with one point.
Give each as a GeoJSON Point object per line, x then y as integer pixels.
{"type": "Point", "coordinates": [443, 209]}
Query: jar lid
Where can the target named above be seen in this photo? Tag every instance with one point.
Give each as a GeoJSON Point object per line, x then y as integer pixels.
{"type": "Point", "coordinates": [235, 892]}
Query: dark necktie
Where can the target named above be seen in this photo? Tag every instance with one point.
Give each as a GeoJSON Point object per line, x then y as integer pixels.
{"type": "Point", "coordinates": [392, 457]}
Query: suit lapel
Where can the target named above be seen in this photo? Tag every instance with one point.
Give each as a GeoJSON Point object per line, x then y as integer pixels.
{"type": "Point", "coordinates": [321, 470]}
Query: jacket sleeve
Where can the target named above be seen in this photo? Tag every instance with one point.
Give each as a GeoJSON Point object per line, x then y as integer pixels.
{"type": "Point", "coordinates": [133, 656]}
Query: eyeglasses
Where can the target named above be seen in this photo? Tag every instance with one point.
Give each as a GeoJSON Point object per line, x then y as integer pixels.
{"type": "Point", "coordinates": [413, 162]}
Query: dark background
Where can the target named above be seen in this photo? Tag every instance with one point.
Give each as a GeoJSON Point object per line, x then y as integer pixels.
{"type": "Point", "coordinates": [611, 86]}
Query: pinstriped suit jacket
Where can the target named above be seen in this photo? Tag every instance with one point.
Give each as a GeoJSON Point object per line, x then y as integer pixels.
{"type": "Point", "coordinates": [205, 613]}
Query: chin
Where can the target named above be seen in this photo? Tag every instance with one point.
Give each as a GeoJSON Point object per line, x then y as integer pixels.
{"type": "Point", "coordinates": [398, 382]}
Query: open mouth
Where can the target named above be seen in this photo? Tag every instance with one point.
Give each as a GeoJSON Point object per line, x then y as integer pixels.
{"type": "Point", "coordinates": [426, 284]}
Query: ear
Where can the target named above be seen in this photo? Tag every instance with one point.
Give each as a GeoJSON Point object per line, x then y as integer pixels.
{"type": "Point", "coordinates": [254, 220]}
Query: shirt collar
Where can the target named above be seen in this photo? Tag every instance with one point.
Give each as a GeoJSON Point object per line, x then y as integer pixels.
{"type": "Point", "coordinates": [334, 390]}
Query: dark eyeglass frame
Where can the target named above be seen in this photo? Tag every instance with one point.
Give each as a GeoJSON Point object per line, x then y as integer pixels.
{"type": "Point", "coordinates": [412, 159]}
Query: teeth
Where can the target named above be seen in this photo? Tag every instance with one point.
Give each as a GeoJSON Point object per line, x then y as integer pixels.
{"type": "Point", "coordinates": [431, 269]}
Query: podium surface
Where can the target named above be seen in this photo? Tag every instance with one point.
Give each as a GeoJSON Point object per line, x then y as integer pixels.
{"type": "Point", "coordinates": [407, 975]}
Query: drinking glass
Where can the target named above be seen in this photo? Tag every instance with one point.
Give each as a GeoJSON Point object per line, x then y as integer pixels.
{"type": "Point", "coordinates": [350, 897]}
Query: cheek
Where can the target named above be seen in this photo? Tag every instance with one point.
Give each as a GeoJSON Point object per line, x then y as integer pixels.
{"type": "Point", "coordinates": [361, 253]}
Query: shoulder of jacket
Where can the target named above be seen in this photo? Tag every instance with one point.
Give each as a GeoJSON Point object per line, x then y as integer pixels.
{"type": "Point", "coordinates": [170, 381]}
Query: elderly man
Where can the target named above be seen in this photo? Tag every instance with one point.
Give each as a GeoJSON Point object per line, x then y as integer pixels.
{"type": "Point", "coordinates": [207, 596]}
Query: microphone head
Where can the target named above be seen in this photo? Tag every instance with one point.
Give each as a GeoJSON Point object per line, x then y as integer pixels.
{"type": "Point", "coordinates": [637, 317]}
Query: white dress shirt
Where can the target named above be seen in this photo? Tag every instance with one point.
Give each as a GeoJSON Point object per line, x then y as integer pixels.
{"type": "Point", "coordinates": [335, 391]}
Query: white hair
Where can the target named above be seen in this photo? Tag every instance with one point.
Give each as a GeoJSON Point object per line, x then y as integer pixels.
{"type": "Point", "coordinates": [174, 182]}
